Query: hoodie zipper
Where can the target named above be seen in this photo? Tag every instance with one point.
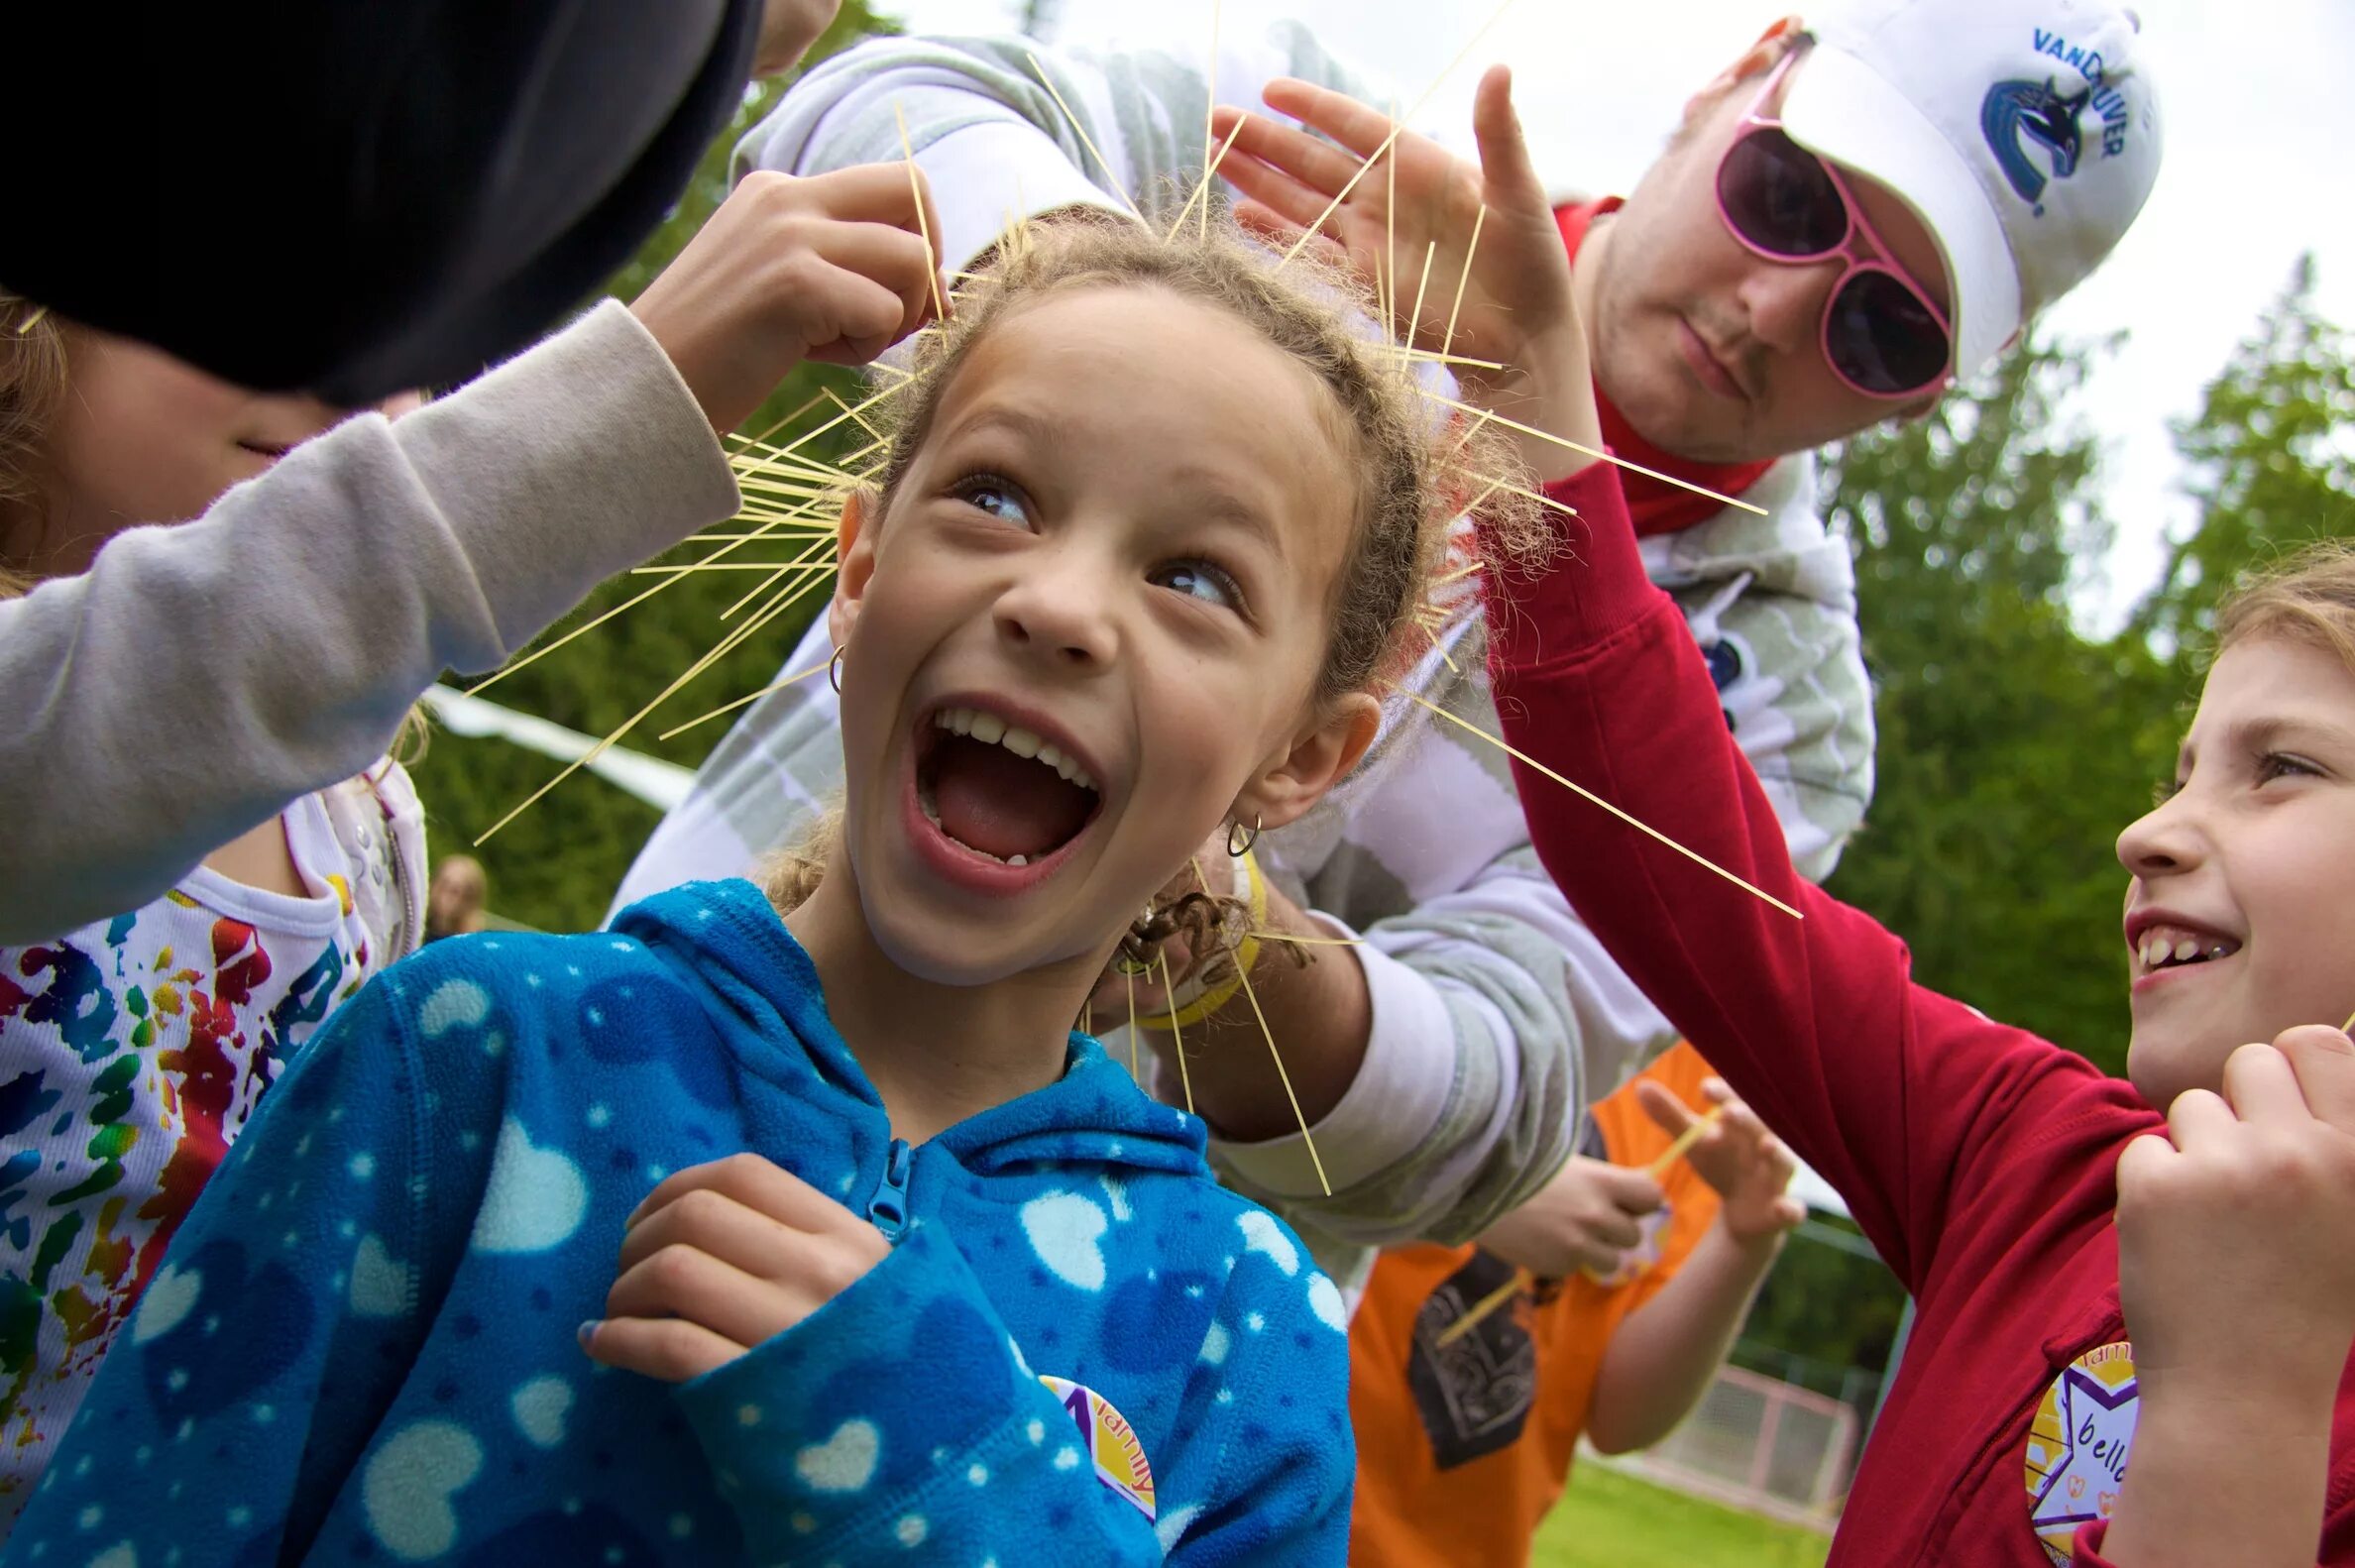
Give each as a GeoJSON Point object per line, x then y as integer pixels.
{"type": "Point", "coordinates": [887, 1210]}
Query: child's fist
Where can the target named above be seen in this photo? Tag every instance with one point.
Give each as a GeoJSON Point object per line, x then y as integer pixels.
{"type": "Point", "coordinates": [1747, 1164]}
{"type": "Point", "coordinates": [719, 1258]}
{"type": "Point", "coordinates": [1585, 1220]}
{"type": "Point", "coordinates": [2236, 1230]}
{"type": "Point", "coordinates": [832, 268]}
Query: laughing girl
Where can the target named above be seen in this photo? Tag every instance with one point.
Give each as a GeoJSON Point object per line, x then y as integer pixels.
{"type": "Point", "coordinates": [935, 1280]}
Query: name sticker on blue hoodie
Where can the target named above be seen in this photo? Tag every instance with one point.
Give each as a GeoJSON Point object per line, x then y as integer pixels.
{"type": "Point", "coordinates": [1119, 1458]}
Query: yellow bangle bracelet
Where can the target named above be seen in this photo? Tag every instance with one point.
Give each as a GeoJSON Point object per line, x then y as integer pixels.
{"type": "Point", "coordinates": [1246, 955]}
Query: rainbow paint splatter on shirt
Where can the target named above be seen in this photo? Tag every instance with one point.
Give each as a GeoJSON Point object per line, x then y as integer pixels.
{"type": "Point", "coordinates": [132, 1051]}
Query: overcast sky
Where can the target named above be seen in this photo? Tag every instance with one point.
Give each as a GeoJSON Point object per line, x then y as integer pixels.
{"type": "Point", "coordinates": [2254, 99]}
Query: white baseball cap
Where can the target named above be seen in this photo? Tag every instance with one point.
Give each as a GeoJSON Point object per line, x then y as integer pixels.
{"type": "Point", "coordinates": [2022, 132]}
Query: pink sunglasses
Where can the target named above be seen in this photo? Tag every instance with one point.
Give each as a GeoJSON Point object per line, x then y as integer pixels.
{"type": "Point", "coordinates": [1883, 334]}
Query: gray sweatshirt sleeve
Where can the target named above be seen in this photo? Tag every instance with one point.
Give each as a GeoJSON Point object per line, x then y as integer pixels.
{"type": "Point", "coordinates": [1496, 1014]}
{"type": "Point", "coordinates": [994, 143]}
{"type": "Point", "coordinates": [198, 677]}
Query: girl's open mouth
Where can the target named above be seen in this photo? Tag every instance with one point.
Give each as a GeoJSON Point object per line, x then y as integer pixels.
{"type": "Point", "coordinates": [997, 805]}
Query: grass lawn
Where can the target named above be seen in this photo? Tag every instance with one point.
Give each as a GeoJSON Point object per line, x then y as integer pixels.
{"type": "Point", "coordinates": [1610, 1520]}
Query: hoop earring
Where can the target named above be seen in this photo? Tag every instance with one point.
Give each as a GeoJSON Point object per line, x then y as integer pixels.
{"type": "Point", "coordinates": [1239, 850]}
{"type": "Point", "coordinates": [834, 672]}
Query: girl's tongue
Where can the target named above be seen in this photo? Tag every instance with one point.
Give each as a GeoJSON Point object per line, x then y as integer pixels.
{"type": "Point", "coordinates": [988, 799]}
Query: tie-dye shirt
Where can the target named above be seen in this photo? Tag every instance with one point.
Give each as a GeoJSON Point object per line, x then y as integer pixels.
{"type": "Point", "coordinates": [1079, 1352]}
{"type": "Point", "coordinates": [134, 1051]}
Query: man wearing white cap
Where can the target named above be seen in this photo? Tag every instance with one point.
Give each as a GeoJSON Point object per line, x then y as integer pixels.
{"type": "Point", "coordinates": [1907, 181]}
{"type": "Point", "coordinates": [1749, 301]}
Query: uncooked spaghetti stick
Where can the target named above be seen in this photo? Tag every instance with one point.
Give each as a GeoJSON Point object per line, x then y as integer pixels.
{"type": "Point", "coordinates": [1242, 959]}
{"type": "Point", "coordinates": [1447, 343]}
{"type": "Point", "coordinates": [1588, 451]}
{"type": "Point", "coordinates": [1684, 1142]}
{"type": "Point", "coordinates": [742, 702]}
{"type": "Point", "coordinates": [1398, 126]}
{"type": "Point", "coordinates": [1522, 1280]}
{"type": "Point", "coordinates": [932, 258]}
{"type": "Point", "coordinates": [1209, 115]}
{"type": "Point", "coordinates": [1177, 1036]}
{"type": "Point", "coordinates": [1201, 190]}
{"type": "Point", "coordinates": [1112, 177]}
{"type": "Point", "coordinates": [1588, 795]}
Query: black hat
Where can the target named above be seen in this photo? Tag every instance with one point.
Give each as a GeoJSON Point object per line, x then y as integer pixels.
{"type": "Point", "coordinates": [349, 197]}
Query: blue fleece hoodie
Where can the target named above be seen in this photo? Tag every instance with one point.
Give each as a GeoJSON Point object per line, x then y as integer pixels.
{"type": "Point", "coordinates": [360, 1347]}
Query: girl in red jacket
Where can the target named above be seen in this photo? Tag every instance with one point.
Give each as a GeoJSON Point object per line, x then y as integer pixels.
{"type": "Point", "coordinates": [2136, 1298]}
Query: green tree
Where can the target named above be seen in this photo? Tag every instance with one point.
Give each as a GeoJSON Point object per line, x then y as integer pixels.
{"type": "Point", "coordinates": [2274, 464]}
{"type": "Point", "coordinates": [556, 866]}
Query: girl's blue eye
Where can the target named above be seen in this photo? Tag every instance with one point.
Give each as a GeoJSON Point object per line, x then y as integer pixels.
{"type": "Point", "coordinates": [996, 498]}
{"type": "Point", "coordinates": [1201, 580]}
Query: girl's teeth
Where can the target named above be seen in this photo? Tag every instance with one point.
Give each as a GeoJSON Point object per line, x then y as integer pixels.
{"type": "Point", "coordinates": [2186, 948]}
{"type": "Point", "coordinates": [994, 731]}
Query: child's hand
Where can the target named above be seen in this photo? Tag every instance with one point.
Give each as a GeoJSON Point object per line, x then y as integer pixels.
{"type": "Point", "coordinates": [1585, 1219]}
{"type": "Point", "coordinates": [719, 1258]}
{"type": "Point", "coordinates": [1518, 307]}
{"type": "Point", "coordinates": [833, 267]}
{"type": "Point", "coordinates": [1747, 1164]}
{"type": "Point", "coordinates": [2236, 1231]}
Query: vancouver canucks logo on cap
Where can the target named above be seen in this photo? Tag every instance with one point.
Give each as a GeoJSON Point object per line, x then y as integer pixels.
{"type": "Point", "coordinates": [2036, 129]}
{"type": "Point", "coordinates": [2017, 116]}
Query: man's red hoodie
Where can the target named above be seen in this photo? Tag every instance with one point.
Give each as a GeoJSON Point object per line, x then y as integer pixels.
{"type": "Point", "coordinates": [1978, 1157]}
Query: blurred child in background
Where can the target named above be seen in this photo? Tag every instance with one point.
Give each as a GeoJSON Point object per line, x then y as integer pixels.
{"type": "Point", "coordinates": [1466, 1430]}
